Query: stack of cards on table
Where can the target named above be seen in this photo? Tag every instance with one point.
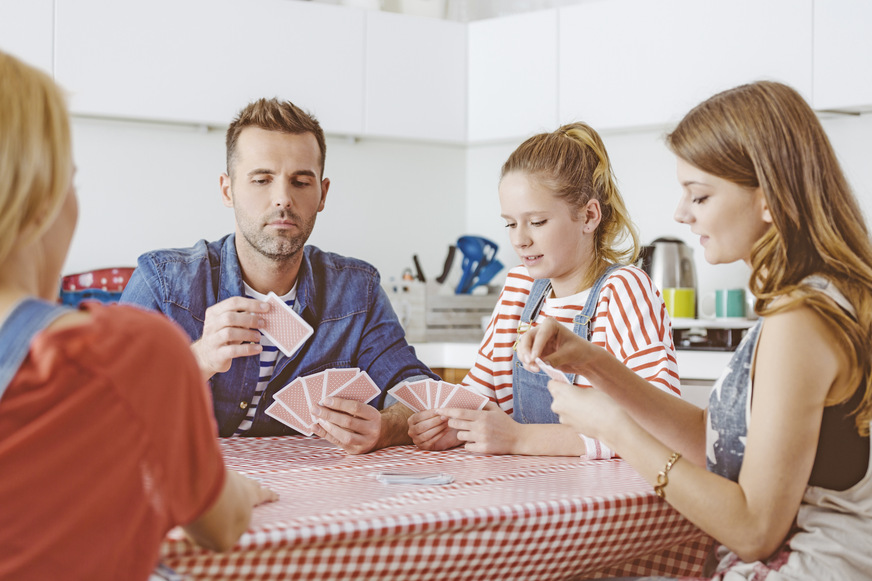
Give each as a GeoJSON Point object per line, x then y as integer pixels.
{"type": "Point", "coordinates": [285, 328]}
{"type": "Point", "coordinates": [293, 401]}
{"type": "Point", "coordinates": [429, 394]}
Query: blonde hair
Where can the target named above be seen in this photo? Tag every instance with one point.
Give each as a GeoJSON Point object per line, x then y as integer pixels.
{"type": "Point", "coordinates": [574, 164]}
{"type": "Point", "coordinates": [765, 135]}
{"type": "Point", "coordinates": [35, 152]}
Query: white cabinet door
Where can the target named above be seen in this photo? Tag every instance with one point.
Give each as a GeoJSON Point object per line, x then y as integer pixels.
{"type": "Point", "coordinates": [26, 30]}
{"type": "Point", "coordinates": [636, 63]}
{"type": "Point", "coordinates": [513, 76]}
{"type": "Point", "coordinates": [415, 78]}
{"type": "Point", "coordinates": [202, 60]}
{"type": "Point", "coordinates": [843, 55]}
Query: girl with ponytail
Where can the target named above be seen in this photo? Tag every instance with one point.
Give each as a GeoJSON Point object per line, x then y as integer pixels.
{"type": "Point", "coordinates": [569, 225]}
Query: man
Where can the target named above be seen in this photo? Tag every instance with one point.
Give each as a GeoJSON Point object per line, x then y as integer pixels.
{"type": "Point", "coordinates": [215, 291]}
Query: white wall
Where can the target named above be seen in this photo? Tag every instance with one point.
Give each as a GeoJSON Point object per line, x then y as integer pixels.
{"type": "Point", "coordinates": [144, 186]}
{"type": "Point", "coordinates": [645, 171]}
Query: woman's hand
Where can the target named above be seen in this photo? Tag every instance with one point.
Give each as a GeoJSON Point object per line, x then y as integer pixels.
{"type": "Point", "coordinates": [556, 345]}
{"type": "Point", "coordinates": [430, 431]}
{"type": "Point", "coordinates": [486, 431]}
{"type": "Point", "coordinates": [586, 410]}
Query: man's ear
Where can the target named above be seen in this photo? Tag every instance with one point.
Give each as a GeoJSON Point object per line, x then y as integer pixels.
{"type": "Point", "coordinates": [591, 215]}
{"type": "Point", "coordinates": [325, 185]}
{"type": "Point", "coordinates": [226, 190]}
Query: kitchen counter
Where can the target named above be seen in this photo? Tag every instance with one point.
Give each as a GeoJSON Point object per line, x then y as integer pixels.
{"type": "Point", "coordinates": [692, 365]}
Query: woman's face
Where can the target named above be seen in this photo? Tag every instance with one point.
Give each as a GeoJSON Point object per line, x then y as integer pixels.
{"type": "Point", "coordinates": [552, 239]}
{"type": "Point", "coordinates": [728, 218]}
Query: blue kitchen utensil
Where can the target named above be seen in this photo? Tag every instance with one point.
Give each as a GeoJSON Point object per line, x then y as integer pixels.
{"type": "Point", "coordinates": [477, 252]}
{"type": "Point", "coordinates": [486, 273]}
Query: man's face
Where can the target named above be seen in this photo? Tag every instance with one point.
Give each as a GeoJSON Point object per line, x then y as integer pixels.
{"type": "Point", "coordinates": [276, 191]}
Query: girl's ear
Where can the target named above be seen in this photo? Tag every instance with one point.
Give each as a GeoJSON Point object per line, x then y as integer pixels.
{"type": "Point", "coordinates": [591, 215]}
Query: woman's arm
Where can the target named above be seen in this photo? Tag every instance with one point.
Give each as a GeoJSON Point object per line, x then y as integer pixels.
{"type": "Point", "coordinates": [797, 364]}
{"type": "Point", "coordinates": [223, 523]}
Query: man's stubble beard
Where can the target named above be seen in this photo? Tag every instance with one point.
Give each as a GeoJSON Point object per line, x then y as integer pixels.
{"type": "Point", "coordinates": [279, 248]}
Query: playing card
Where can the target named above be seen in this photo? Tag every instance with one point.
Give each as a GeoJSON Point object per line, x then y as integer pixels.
{"type": "Point", "coordinates": [551, 372]}
{"type": "Point", "coordinates": [281, 413]}
{"type": "Point", "coordinates": [445, 391]}
{"type": "Point", "coordinates": [362, 388]}
{"type": "Point", "coordinates": [293, 397]}
{"type": "Point", "coordinates": [466, 399]}
{"type": "Point", "coordinates": [406, 396]}
{"type": "Point", "coordinates": [419, 388]}
{"type": "Point", "coordinates": [336, 378]}
{"type": "Point", "coordinates": [313, 387]}
{"type": "Point", "coordinates": [436, 395]}
{"type": "Point", "coordinates": [285, 328]}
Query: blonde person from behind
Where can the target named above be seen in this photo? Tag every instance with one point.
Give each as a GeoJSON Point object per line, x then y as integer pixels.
{"type": "Point", "coordinates": [106, 434]}
{"type": "Point", "coordinates": [777, 468]}
{"type": "Point", "coordinates": [568, 224]}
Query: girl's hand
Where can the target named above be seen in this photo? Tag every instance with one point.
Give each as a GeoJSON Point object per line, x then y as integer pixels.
{"type": "Point", "coordinates": [586, 410]}
{"type": "Point", "coordinates": [555, 344]}
{"type": "Point", "coordinates": [430, 431]}
{"type": "Point", "coordinates": [486, 431]}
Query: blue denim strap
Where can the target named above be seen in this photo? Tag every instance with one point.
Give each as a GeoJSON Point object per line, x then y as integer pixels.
{"type": "Point", "coordinates": [583, 319]}
{"type": "Point", "coordinates": [27, 318]}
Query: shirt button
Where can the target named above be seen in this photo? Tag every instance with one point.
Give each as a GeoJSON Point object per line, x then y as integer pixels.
{"type": "Point", "coordinates": [243, 404]}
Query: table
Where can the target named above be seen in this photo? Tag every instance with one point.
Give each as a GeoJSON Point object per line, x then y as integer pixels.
{"type": "Point", "coordinates": [503, 517]}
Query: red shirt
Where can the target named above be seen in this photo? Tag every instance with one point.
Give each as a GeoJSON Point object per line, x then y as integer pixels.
{"type": "Point", "coordinates": [107, 441]}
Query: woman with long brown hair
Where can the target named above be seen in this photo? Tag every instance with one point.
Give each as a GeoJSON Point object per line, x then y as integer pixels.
{"type": "Point", "coordinates": [777, 468]}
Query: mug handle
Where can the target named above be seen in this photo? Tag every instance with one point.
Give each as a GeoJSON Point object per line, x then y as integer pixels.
{"type": "Point", "coordinates": [707, 306]}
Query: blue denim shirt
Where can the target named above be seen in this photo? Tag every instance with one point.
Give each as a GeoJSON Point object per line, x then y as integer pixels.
{"type": "Point", "coordinates": [340, 297]}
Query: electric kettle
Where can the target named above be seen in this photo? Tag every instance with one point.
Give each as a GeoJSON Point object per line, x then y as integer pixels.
{"type": "Point", "coordinates": [669, 263]}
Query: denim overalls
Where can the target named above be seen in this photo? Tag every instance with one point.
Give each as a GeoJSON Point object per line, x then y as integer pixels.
{"type": "Point", "coordinates": [26, 319]}
{"type": "Point", "coordinates": [531, 400]}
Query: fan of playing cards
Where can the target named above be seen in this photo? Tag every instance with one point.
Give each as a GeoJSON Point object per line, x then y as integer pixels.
{"type": "Point", "coordinates": [293, 401]}
{"type": "Point", "coordinates": [428, 394]}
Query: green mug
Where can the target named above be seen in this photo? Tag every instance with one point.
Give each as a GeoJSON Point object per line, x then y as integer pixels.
{"type": "Point", "coordinates": [729, 303]}
{"type": "Point", "coordinates": [680, 302]}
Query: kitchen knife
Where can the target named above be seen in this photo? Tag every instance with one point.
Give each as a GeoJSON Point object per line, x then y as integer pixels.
{"type": "Point", "coordinates": [449, 260]}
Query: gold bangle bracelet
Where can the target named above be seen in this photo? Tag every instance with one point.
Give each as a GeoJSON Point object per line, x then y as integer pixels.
{"type": "Point", "coordinates": [663, 475]}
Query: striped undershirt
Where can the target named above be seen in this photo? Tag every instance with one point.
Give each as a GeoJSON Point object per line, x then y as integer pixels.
{"type": "Point", "coordinates": [268, 359]}
{"type": "Point", "coordinates": [630, 322]}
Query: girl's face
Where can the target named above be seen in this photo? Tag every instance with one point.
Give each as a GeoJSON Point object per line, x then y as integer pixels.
{"type": "Point", "coordinates": [728, 218]}
{"type": "Point", "coordinates": [552, 239]}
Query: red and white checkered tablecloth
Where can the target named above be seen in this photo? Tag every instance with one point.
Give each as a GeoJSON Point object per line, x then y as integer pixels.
{"type": "Point", "coordinates": [503, 517]}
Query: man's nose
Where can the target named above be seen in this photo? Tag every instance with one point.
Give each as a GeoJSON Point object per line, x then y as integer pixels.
{"type": "Point", "coordinates": [283, 195]}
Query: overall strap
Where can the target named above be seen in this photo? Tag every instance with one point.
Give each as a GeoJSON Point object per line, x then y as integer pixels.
{"type": "Point", "coordinates": [585, 317]}
{"type": "Point", "coordinates": [27, 318]}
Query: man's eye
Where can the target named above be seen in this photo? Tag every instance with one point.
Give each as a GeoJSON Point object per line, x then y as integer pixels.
{"type": "Point", "coordinates": [300, 184]}
{"type": "Point", "coordinates": [510, 225]}
{"type": "Point", "coordinates": [260, 181]}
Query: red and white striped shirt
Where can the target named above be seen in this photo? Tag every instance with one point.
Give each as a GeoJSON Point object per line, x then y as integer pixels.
{"type": "Point", "coordinates": [630, 322]}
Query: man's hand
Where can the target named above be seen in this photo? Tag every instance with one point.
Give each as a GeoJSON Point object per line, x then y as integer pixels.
{"type": "Point", "coordinates": [430, 431]}
{"type": "Point", "coordinates": [359, 428]}
{"type": "Point", "coordinates": [230, 330]}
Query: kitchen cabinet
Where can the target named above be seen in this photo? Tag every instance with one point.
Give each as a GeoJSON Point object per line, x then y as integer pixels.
{"type": "Point", "coordinates": [636, 63]}
{"type": "Point", "coordinates": [842, 55]}
{"type": "Point", "coordinates": [512, 76]}
{"type": "Point", "coordinates": [200, 61]}
{"type": "Point", "coordinates": [416, 78]}
{"type": "Point", "coordinates": [26, 31]}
